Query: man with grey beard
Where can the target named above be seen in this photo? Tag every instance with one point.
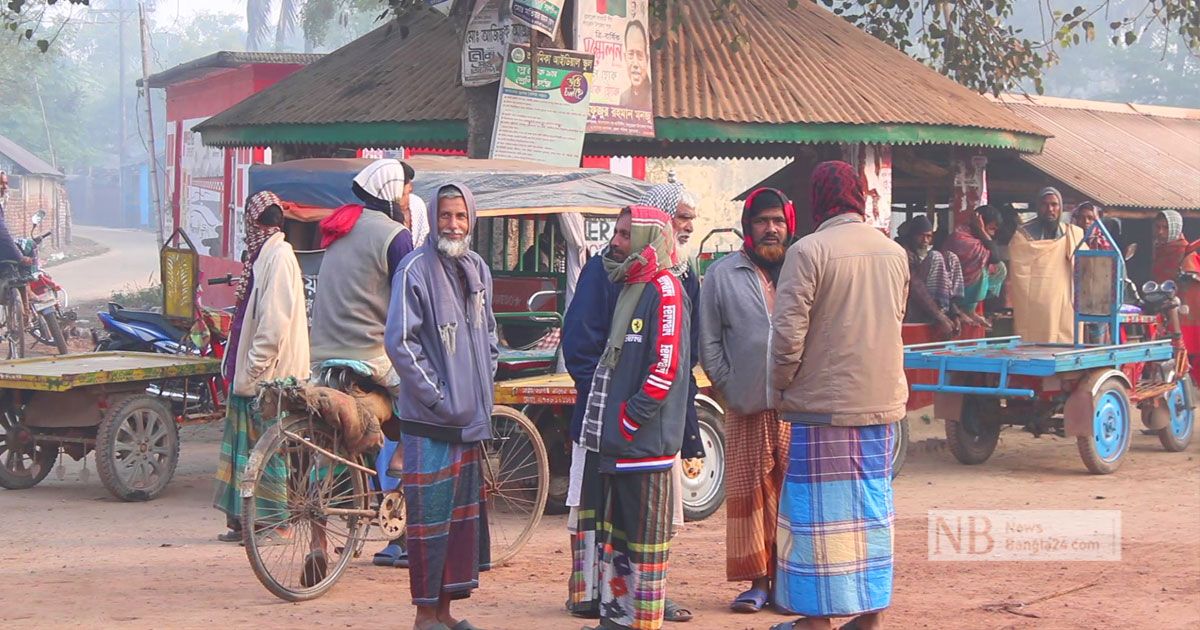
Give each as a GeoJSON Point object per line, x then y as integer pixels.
{"type": "Point", "coordinates": [441, 338]}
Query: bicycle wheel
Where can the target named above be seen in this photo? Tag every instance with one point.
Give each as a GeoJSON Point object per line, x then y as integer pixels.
{"type": "Point", "coordinates": [305, 509]}
{"type": "Point", "coordinates": [14, 324]}
{"type": "Point", "coordinates": [516, 481]}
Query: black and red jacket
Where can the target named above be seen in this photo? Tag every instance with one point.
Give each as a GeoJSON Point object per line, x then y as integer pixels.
{"type": "Point", "coordinates": [648, 395]}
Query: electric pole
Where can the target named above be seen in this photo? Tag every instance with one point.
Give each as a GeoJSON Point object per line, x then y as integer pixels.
{"type": "Point", "coordinates": [156, 184]}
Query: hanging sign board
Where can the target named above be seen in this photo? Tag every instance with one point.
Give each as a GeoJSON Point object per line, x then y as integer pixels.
{"type": "Point", "coordinates": [542, 15]}
{"type": "Point", "coordinates": [487, 38]}
{"type": "Point", "coordinates": [616, 33]}
{"type": "Point", "coordinates": [544, 122]}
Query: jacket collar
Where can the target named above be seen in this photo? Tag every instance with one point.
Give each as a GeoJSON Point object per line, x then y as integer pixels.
{"type": "Point", "coordinates": [842, 219]}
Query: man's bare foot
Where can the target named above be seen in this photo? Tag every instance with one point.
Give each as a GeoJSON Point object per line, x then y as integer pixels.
{"type": "Point", "coordinates": [427, 618]}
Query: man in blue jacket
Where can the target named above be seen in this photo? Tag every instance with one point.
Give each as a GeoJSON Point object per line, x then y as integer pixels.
{"type": "Point", "coordinates": [441, 338]}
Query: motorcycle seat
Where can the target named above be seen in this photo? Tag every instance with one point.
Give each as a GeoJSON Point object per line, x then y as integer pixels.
{"type": "Point", "coordinates": [157, 320]}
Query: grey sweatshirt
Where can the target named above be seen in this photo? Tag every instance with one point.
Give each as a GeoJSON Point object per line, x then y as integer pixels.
{"type": "Point", "coordinates": [735, 334]}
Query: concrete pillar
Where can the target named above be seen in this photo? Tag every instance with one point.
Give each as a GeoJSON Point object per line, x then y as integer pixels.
{"type": "Point", "coordinates": [874, 164]}
{"type": "Point", "coordinates": [970, 185]}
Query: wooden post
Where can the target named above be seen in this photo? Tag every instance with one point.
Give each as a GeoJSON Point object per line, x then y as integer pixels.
{"type": "Point", "coordinates": [155, 184]}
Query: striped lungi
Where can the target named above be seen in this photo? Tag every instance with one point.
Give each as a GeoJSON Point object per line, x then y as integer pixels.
{"type": "Point", "coordinates": [447, 533]}
{"type": "Point", "coordinates": [834, 542]}
{"type": "Point", "coordinates": [757, 456]}
{"type": "Point", "coordinates": [620, 543]}
{"type": "Point", "coordinates": [243, 426]}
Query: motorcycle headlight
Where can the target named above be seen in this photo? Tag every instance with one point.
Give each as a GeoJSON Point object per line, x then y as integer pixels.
{"type": "Point", "coordinates": [1150, 287]}
{"type": "Point", "coordinates": [1168, 286]}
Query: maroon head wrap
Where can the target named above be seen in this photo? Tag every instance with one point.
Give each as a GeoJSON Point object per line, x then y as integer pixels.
{"type": "Point", "coordinates": [748, 214]}
{"type": "Point", "coordinates": [836, 190]}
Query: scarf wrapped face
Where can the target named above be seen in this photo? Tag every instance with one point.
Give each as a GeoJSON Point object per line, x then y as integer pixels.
{"type": "Point", "coordinates": [652, 249]}
{"type": "Point", "coordinates": [836, 190]}
{"type": "Point", "coordinates": [256, 234]}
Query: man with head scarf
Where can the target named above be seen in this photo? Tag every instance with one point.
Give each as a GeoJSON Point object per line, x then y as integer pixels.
{"type": "Point", "coordinates": [1041, 273]}
{"type": "Point", "coordinates": [632, 431]}
{"type": "Point", "coordinates": [937, 278]}
{"type": "Point", "coordinates": [838, 375]}
{"type": "Point", "coordinates": [441, 338]}
{"type": "Point", "coordinates": [735, 338]}
{"type": "Point", "coordinates": [267, 342]}
{"type": "Point", "coordinates": [1172, 263]}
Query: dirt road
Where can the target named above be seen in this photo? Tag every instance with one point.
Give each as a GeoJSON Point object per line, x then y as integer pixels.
{"type": "Point", "coordinates": [74, 557]}
{"type": "Point", "coordinates": [130, 262]}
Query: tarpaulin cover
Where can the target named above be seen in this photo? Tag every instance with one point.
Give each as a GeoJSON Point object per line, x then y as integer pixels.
{"type": "Point", "coordinates": [498, 184]}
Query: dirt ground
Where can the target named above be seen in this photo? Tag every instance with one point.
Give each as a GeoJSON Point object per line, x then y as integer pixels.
{"type": "Point", "coordinates": [74, 557]}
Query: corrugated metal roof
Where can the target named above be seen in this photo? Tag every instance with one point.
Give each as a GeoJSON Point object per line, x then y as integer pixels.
{"type": "Point", "coordinates": [224, 59]}
{"type": "Point", "coordinates": [1122, 156]}
{"type": "Point", "coordinates": [803, 65]}
{"type": "Point", "coordinates": [26, 160]}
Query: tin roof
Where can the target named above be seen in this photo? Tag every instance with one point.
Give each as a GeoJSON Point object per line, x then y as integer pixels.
{"type": "Point", "coordinates": [1120, 155]}
{"type": "Point", "coordinates": [26, 160]}
{"type": "Point", "coordinates": [804, 75]}
{"type": "Point", "coordinates": [224, 59]}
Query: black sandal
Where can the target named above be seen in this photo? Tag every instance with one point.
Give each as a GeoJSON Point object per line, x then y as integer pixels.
{"type": "Point", "coordinates": [675, 612]}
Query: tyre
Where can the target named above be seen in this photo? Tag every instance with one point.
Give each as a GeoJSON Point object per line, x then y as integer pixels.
{"type": "Point", "coordinates": [899, 447]}
{"type": "Point", "coordinates": [973, 439]}
{"type": "Point", "coordinates": [1111, 429]}
{"type": "Point", "coordinates": [53, 328]}
{"type": "Point", "coordinates": [137, 448]}
{"type": "Point", "coordinates": [1176, 435]}
{"type": "Point", "coordinates": [292, 487]}
{"type": "Point", "coordinates": [24, 463]}
{"type": "Point", "coordinates": [14, 308]}
{"type": "Point", "coordinates": [704, 490]}
{"type": "Point", "coordinates": [516, 482]}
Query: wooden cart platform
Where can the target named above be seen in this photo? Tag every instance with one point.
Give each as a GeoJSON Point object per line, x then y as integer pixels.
{"type": "Point", "coordinates": [63, 373]}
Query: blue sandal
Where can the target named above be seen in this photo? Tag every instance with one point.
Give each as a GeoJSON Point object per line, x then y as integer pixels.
{"type": "Point", "coordinates": [392, 555]}
{"type": "Point", "coordinates": [751, 601]}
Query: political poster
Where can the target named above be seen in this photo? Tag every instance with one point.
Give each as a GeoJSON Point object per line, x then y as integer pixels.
{"type": "Point", "coordinates": [542, 15]}
{"type": "Point", "coordinates": [489, 32]}
{"type": "Point", "coordinates": [544, 121]}
{"type": "Point", "coordinates": [617, 34]}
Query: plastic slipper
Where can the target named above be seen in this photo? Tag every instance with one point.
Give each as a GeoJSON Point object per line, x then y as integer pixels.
{"type": "Point", "coordinates": [316, 567]}
{"type": "Point", "coordinates": [388, 556]}
{"type": "Point", "coordinates": [231, 536]}
{"type": "Point", "coordinates": [751, 601]}
{"type": "Point", "coordinates": [675, 612]}
{"type": "Point", "coordinates": [401, 561]}
{"type": "Point", "coordinates": [787, 625]}
{"type": "Point", "coordinates": [463, 624]}
{"type": "Point", "coordinates": [587, 613]}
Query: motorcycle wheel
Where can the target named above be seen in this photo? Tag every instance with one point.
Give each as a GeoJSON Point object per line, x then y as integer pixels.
{"type": "Point", "coordinates": [51, 325]}
{"type": "Point", "coordinates": [15, 324]}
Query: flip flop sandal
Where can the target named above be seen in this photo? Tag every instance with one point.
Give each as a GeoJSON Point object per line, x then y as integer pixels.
{"type": "Point", "coordinates": [387, 557]}
{"type": "Point", "coordinates": [787, 625]}
{"type": "Point", "coordinates": [231, 536]}
{"type": "Point", "coordinates": [316, 567]}
{"type": "Point", "coordinates": [586, 613]}
{"type": "Point", "coordinates": [675, 612]}
{"type": "Point", "coordinates": [463, 624]}
{"type": "Point", "coordinates": [401, 561]}
{"type": "Point", "coordinates": [751, 601]}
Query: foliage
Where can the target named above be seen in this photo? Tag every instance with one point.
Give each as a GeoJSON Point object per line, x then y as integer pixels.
{"type": "Point", "coordinates": [139, 297]}
{"type": "Point", "coordinates": [25, 18]}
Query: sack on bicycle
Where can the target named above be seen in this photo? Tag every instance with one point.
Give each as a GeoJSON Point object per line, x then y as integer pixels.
{"type": "Point", "coordinates": [357, 413]}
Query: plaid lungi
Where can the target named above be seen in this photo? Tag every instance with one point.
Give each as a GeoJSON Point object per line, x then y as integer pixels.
{"type": "Point", "coordinates": [243, 426]}
{"type": "Point", "coordinates": [834, 542]}
{"type": "Point", "coordinates": [757, 455]}
{"type": "Point", "coordinates": [447, 533]}
{"type": "Point", "coordinates": [619, 548]}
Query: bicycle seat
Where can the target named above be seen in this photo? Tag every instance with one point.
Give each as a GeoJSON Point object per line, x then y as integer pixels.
{"type": "Point", "coordinates": [127, 316]}
{"type": "Point", "coordinates": [358, 367]}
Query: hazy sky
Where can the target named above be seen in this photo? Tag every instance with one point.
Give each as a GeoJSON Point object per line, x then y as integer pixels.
{"type": "Point", "coordinates": [170, 10]}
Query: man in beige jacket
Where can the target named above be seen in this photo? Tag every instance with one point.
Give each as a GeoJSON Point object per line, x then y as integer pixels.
{"type": "Point", "coordinates": [838, 372]}
{"type": "Point", "coordinates": [269, 341]}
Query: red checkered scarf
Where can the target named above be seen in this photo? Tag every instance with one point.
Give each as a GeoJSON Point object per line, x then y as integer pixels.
{"type": "Point", "coordinates": [836, 189]}
{"type": "Point", "coordinates": [256, 235]}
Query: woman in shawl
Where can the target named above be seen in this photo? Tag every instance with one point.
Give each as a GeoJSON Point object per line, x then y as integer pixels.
{"type": "Point", "coordinates": [982, 269]}
{"type": "Point", "coordinates": [1173, 262]}
{"type": "Point", "coordinates": [268, 341]}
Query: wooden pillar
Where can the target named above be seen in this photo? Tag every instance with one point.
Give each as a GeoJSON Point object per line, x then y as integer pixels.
{"type": "Point", "coordinates": [874, 165]}
{"type": "Point", "coordinates": [970, 185]}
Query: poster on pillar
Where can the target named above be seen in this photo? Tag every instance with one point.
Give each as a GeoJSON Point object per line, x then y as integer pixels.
{"type": "Point", "coordinates": [616, 32]}
{"type": "Point", "coordinates": [541, 15]}
{"type": "Point", "coordinates": [488, 34]}
{"type": "Point", "coordinates": [543, 121]}
{"type": "Point", "coordinates": [201, 183]}
{"type": "Point", "coordinates": [970, 186]}
{"type": "Point", "coordinates": [874, 165]}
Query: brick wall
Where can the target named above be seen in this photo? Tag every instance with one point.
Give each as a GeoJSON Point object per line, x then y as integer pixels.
{"type": "Point", "coordinates": [38, 193]}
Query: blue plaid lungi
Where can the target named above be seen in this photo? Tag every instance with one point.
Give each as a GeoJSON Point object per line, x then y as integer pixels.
{"type": "Point", "coordinates": [834, 543]}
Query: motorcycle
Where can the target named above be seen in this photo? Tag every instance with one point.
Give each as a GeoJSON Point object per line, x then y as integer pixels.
{"type": "Point", "coordinates": [49, 315]}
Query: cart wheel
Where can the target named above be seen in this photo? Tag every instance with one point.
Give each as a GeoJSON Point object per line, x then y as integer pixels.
{"type": "Point", "coordinates": [974, 439]}
{"type": "Point", "coordinates": [137, 448]}
{"type": "Point", "coordinates": [704, 491]}
{"type": "Point", "coordinates": [899, 447]}
{"type": "Point", "coordinates": [1176, 435]}
{"type": "Point", "coordinates": [298, 550]}
{"type": "Point", "coordinates": [1102, 451]}
{"type": "Point", "coordinates": [516, 480]}
{"type": "Point", "coordinates": [23, 462]}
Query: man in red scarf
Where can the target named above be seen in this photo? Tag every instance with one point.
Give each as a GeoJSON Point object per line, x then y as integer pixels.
{"type": "Point", "coordinates": [735, 337]}
{"type": "Point", "coordinates": [1170, 263]}
{"type": "Point", "coordinates": [838, 375]}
